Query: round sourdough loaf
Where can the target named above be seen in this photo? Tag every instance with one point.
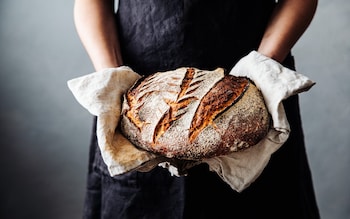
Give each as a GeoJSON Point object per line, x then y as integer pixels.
{"type": "Point", "coordinates": [193, 114]}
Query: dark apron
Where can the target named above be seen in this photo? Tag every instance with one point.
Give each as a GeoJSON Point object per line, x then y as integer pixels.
{"type": "Point", "coordinates": [161, 35]}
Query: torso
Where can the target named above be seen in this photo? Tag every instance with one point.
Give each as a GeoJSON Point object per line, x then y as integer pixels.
{"type": "Point", "coordinates": [162, 35]}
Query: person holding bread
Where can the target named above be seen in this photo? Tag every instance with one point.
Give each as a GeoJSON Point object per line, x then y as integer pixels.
{"type": "Point", "coordinates": [162, 35]}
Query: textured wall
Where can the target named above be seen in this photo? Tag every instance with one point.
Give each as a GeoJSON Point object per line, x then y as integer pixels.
{"type": "Point", "coordinates": [323, 54]}
{"type": "Point", "coordinates": [45, 133]}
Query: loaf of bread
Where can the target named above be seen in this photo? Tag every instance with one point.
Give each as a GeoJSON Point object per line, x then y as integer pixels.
{"type": "Point", "coordinates": [193, 114]}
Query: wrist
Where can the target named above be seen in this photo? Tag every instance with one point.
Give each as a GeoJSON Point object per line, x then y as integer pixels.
{"type": "Point", "coordinates": [278, 56]}
{"type": "Point", "coordinates": [107, 63]}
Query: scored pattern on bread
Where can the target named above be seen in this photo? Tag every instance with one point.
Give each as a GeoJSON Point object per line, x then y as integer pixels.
{"type": "Point", "coordinates": [225, 93]}
{"type": "Point", "coordinates": [141, 91]}
{"type": "Point", "coordinates": [176, 108]}
{"type": "Point", "coordinates": [193, 114]}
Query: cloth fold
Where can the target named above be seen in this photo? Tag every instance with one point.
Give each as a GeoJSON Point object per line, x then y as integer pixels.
{"type": "Point", "coordinates": [101, 94]}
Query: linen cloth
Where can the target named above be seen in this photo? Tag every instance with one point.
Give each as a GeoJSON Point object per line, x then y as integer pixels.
{"type": "Point", "coordinates": [101, 94]}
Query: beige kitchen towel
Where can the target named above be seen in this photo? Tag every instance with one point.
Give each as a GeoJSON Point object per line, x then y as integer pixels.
{"type": "Point", "coordinates": [101, 94]}
{"type": "Point", "coordinates": [276, 84]}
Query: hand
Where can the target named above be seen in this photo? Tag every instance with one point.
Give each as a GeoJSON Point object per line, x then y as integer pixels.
{"type": "Point", "coordinates": [264, 71]}
{"type": "Point", "coordinates": [275, 82]}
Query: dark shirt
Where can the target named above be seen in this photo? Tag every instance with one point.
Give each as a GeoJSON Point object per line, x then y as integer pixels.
{"type": "Point", "coordinates": [161, 35]}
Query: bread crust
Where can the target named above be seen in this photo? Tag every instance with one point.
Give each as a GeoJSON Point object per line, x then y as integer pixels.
{"type": "Point", "coordinates": [193, 114]}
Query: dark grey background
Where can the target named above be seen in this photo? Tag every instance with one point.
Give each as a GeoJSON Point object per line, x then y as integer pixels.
{"type": "Point", "coordinates": [45, 132]}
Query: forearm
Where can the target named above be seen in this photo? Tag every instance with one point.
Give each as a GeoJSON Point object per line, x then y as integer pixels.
{"type": "Point", "coordinates": [94, 20]}
{"type": "Point", "coordinates": [288, 22]}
